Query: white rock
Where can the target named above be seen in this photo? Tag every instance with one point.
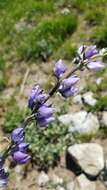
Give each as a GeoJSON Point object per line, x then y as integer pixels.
{"type": "Point", "coordinates": [71, 186]}
{"type": "Point", "coordinates": [66, 119]}
{"type": "Point", "coordinates": [98, 81]}
{"type": "Point", "coordinates": [89, 156]}
{"type": "Point", "coordinates": [81, 183]}
{"type": "Point", "coordinates": [56, 179]}
{"type": "Point", "coordinates": [60, 188]}
{"type": "Point", "coordinates": [43, 179]}
{"type": "Point", "coordinates": [65, 11]}
{"type": "Point", "coordinates": [77, 99]}
{"type": "Point", "coordinates": [104, 118]}
{"type": "Point", "coordinates": [103, 51]}
{"type": "Point", "coordinates": [81, 122]}
{"type": "Point", "coordinates": [88, 99]}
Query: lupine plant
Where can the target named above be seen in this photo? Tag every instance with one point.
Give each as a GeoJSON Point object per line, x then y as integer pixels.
{"type": "Point", "coordinates": [42, 111]}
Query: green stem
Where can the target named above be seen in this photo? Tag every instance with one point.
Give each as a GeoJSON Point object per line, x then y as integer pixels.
{"type": "Point", "coordinates": [6, 152]}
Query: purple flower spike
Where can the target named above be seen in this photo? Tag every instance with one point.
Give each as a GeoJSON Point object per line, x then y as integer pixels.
{"type": "Point", "coordinates": [67, 83]}
{"type": "Point", "coordinates": [3, 178]}
{"type": "Point", "coordinates": [95, 65]}
{"type": "Point", "coordinates": [37, 95]}
{"type": "Point", "coordinates": [17, 135]}
{"type": "Point", "coordinates": [59, 69]}
{"type": "Point", "coordinates": [21, 158]}
{"type": "Point", "coordinates": [23, 147]}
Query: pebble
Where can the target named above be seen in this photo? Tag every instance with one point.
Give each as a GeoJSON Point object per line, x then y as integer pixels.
{"type": "Point", "coordinates": [43, 179]}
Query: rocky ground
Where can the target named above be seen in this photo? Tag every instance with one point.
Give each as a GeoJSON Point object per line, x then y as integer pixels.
{"type": "Point", "coordinates": [83, 168]}
{"type": "Point", "coordinates": [84, 164]}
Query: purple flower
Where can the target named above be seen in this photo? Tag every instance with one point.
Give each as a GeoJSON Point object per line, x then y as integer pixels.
{"type": "Point", "coordinates": [45, 111]}
{"type": "Point", "coordinates": [95, 65]}
{"type": "Point", "coordinates": [37, 96]}
{"type": "Point", "coordinates": [59, 68]}
{"type": "Point", "coordinates": [19, 153]}
{"type": "Point", "coordinates": [87, 52]}
{"type": "Point", "coordinates": [67, 88]}
{"type": "Point", "coordinates": [17, 135]}
{"type": "Point", "coordinates": [20, 157]}
{"type": "Point", "coordinates": [3, 178]}
{"type": "Point", "coordinates": [67, 83]}
{"type": "Point", "coordinates": [45, 122]}
{"type": "Point", "coordinates": [68, 92]}
{"type": "Point", "coordinates": [44, 115]}
{"type": "Point", "coordinates": [90, 51]}
{"type": "Point", "coordinates": [81, 49]}
{"type": "Point", "coordinates": [22, 147]}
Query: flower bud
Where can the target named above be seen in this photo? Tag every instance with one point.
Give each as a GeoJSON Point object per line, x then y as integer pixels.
{"type": "Point", "coordinates": [44, 115]}
{"type": "Point", "coordinates": [45, 122]}
{"type": "Point", "coordinates": [37, 96]}
{"type": "Point", "coordinates": [67, 88]}
{"type": "Point", "coordinates": [20, 157]}
{"type": "Point", "coordinates": [67, 83]}
{"type": "Point", "coordinates": [23, 147]}
{"type": "Point", "coordinates": [86, 52]}
{"type": "Point", "coordinates": [17, 135]}
{"type": "Point", "coordinates": [69, 92]}
{"type": "Point", "coordinates": [95, 65]}
{"type": "Point", "coordinates": [45, 111]}
{"type": "Point", "coordinates": [90, 51]}
{"type": "Point", "coordinates": [59, 68]}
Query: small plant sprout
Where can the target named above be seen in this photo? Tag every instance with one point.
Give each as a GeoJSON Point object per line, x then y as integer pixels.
{"type": "Point", "coordinates": [42, 111]}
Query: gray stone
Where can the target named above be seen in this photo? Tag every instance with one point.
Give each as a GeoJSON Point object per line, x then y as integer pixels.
{"type": "Point", "coordinates": [65, 11]}
{"type": "Point", "coordinates": [81, 183]}
{"type": "Point", "coordinates": [99, 80]}
{"type": "Point", "coordinates": [81, 122]}
{"type": "Point", "coordinates": [77, 99]}
{"type": "Point", "coordinates": [43, 179]}
{"type": "Point", "coordinates": [71, 185]}
{"type": "Point", "coordinates": [89, 156]}
{"type": "Point", "coordinates": [89, 99]}
{"type": "Point", "coordinates": [104, 118]}
{"type": "Point", "coordinates": [56, 179]}
{"type": "Point", "coordinates": [60, 188]}
{"type": "Point", "coordinates": [66, 119]}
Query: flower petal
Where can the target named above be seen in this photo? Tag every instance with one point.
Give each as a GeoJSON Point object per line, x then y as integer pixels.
{"type": "Point", "coordinates": [59, 69]}
{"type": "Point", "coordinates": [95, 65]}
{"type": "Point", "coordinates": [20, 157]}
{"type": "Point", "coordinates": [17, 135]}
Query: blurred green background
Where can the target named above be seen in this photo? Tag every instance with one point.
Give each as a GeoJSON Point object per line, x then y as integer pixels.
{"type": "Point", "coordinates": [46, 29]}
